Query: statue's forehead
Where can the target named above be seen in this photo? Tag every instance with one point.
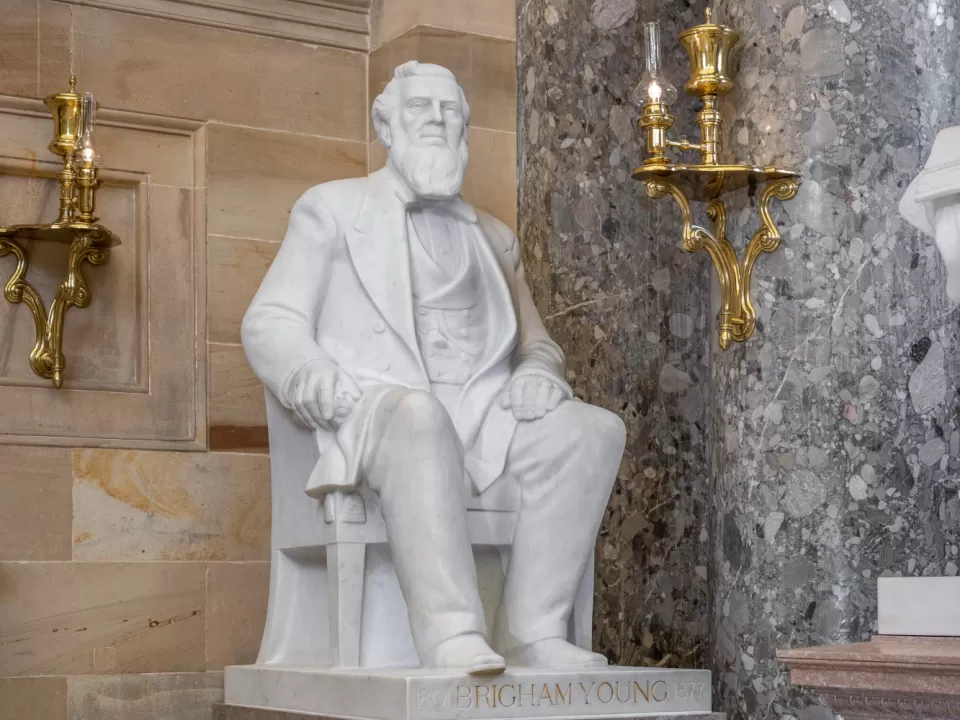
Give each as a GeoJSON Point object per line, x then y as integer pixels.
{"type": "Point", "coordinates": [442, 88]}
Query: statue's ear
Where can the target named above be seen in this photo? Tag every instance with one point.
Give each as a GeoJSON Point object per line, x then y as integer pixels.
{"type": "Point", "coordinates": [382, 129]}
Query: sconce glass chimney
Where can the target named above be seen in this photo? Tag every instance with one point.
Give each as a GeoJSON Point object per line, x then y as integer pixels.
{"type": "Point", "coordinates": [87, 151]}
{"type": "Point", "coordinates": [654, 86]}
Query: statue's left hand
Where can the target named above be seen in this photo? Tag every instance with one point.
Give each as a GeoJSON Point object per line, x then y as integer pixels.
{"type": "Point", "coordinates": [531, 396]}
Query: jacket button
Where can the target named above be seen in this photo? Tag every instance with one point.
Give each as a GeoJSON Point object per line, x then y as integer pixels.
{"type": "Point", "coordinates": [465, 313]}
{"type": "Point", "coordinates": [379, 326]}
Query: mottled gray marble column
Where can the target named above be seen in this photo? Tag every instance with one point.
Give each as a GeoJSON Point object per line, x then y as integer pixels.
{"type": "Point", "coordinates": [834, 433]}
{"type": "Point", "coordinates": [795, 469]}
{"type": "Point", "coordinates": [630, 309]}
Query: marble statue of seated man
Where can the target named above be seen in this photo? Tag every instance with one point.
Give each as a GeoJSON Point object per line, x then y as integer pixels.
{"type": "Point", "coordinates": [932, 203]}
{"type": "Point", "coordinates": [396, 321]}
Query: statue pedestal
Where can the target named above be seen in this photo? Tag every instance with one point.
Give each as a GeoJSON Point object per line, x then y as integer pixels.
{"type": "Point", "coordinates": [890, 677]}
{"type": "Point", "coordinates": [919, 606]}
{"type": "Point", "coordinates": [414, 694]}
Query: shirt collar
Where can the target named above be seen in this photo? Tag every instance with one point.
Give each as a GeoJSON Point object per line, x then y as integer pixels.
{"type": "Point", "coordinates": [455, 206]}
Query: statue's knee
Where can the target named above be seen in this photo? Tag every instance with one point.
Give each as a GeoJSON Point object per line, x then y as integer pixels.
{"type": "Point", "coordinates": [611, 429]}
{"type": "Point", "coordinates": [420, 410]}
{"type": "Point", "coordinates": [597, 426]}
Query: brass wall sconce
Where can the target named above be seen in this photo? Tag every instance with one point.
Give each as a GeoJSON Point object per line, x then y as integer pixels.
{"type": "Point", "coordinates": [709, 46]}
{"type": "Point", "coordinates": [74, 119]}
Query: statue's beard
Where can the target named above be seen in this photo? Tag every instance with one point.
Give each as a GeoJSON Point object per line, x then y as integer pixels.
{"type": "Point", "coordinates": [432, 172]}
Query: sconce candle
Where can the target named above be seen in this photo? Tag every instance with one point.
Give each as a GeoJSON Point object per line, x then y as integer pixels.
{"type": "Point", "coordinates": [74, 122]}
{"type": "Point", "coordinates": [654, 86]}
{"type": "Point", "coordinates": [655, 93]}
{"type": "Point", "coordinates": [709, 46]}
{"type": "Point", "coordinates": [88, 162]}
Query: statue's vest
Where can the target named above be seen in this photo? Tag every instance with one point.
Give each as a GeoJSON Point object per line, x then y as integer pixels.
{"type": "Point", "coordinates": [448, 313]}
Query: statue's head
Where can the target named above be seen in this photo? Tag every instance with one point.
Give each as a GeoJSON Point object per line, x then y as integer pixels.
{"type": "Point", "coordinates": [932, 203]}
{"type": "Point", "coordinates": [421, 118]}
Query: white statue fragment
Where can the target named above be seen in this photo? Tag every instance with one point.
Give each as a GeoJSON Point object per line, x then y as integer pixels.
{"type": "Point", "coordinates": [932, 203]}
{"type": "Point", "coordinates": [396, 324]}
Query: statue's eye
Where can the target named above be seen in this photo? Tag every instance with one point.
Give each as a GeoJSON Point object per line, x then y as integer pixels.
{"type": "Point", "coordinates": [417, 104]}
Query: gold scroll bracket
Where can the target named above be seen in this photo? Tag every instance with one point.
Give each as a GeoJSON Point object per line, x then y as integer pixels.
{"type": "Point", "coordinates": [88, 243]}
{"type": "Point", "coordinates": [737, 314]}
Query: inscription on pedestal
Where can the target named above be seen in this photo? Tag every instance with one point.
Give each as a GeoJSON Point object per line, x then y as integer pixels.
{"type": "Point", "coordinates": [600, 695]}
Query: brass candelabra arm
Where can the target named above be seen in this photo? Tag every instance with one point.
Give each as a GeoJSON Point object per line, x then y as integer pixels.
{"type": "Point", "coordinates": [684, 145]}
{"type": "Point", "coordinates": [88, 244]}
{"type": "Point", "coordinates": [737, 314]}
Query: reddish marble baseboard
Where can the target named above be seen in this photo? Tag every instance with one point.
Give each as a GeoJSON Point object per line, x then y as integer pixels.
{"type": "Point", "coordinates": [889, 677]}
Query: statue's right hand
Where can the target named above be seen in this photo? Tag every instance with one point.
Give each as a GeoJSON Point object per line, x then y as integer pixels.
{"type": "Point", "coordinates": [322, 394]}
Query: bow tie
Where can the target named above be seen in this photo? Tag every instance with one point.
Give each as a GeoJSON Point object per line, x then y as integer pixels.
{"type": "Point", "coordinates": [454, 207]}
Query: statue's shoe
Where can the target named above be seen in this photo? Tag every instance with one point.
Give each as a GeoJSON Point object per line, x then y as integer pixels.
{"type": "Point", "coordinates": [468, 652]}
{"type": "Point", "coordinates": [554, 653]}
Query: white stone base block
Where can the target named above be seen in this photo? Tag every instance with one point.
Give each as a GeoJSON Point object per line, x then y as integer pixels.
{"type": "Point", "coordinates": [928, 606]}
{"type": "Point", "coordinates": [414, 694]}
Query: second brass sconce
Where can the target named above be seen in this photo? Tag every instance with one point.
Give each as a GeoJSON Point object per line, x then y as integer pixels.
{"type": "Point", "coordinates": [73, 141]}
{"type": "Point", "coordinates": [709, 46]}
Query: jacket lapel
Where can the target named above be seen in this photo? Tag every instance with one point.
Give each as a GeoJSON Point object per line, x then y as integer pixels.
{"type": "Point", "coordinates": [501, 314]}
{"type": "Point", "coordinates": [379, 250]}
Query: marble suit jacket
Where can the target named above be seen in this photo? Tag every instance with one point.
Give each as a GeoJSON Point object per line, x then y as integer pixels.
{"type": "Point", "coordinates": [340, 288]}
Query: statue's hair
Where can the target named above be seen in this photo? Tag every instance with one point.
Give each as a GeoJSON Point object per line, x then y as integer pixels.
{"type": "Point", "coordinates": [386, 103]}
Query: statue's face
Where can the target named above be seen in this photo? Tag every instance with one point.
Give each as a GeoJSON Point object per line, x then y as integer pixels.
{"type": "Point", "coordinates": [428, 137]}
{"type": "Point", "coordinates": [946, 213]}
{"type": "Point", "coordinates": [430, 112]}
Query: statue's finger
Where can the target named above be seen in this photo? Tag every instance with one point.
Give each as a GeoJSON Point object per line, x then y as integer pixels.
{"type": "Point", "coordinates": [327, 382]}
{"type": "Point", "coordinates": [542, 403]}
{"type": "Point", "coordinates": [516, 393]}
{"type": "Point", "coordinates": [297, 405]}
{"type": "Point", "coordinates": [531, 391]}
{"type": "Point", "coordinates": [556, 395]}
{"type": "Point", "coordinates": [303, 418]}
{"type": "Point", "coordinates": [310, 399]}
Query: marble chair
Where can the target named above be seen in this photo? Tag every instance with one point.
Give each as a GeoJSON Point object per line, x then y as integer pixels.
{"type": "Point", "coordinates": [334, 596]}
